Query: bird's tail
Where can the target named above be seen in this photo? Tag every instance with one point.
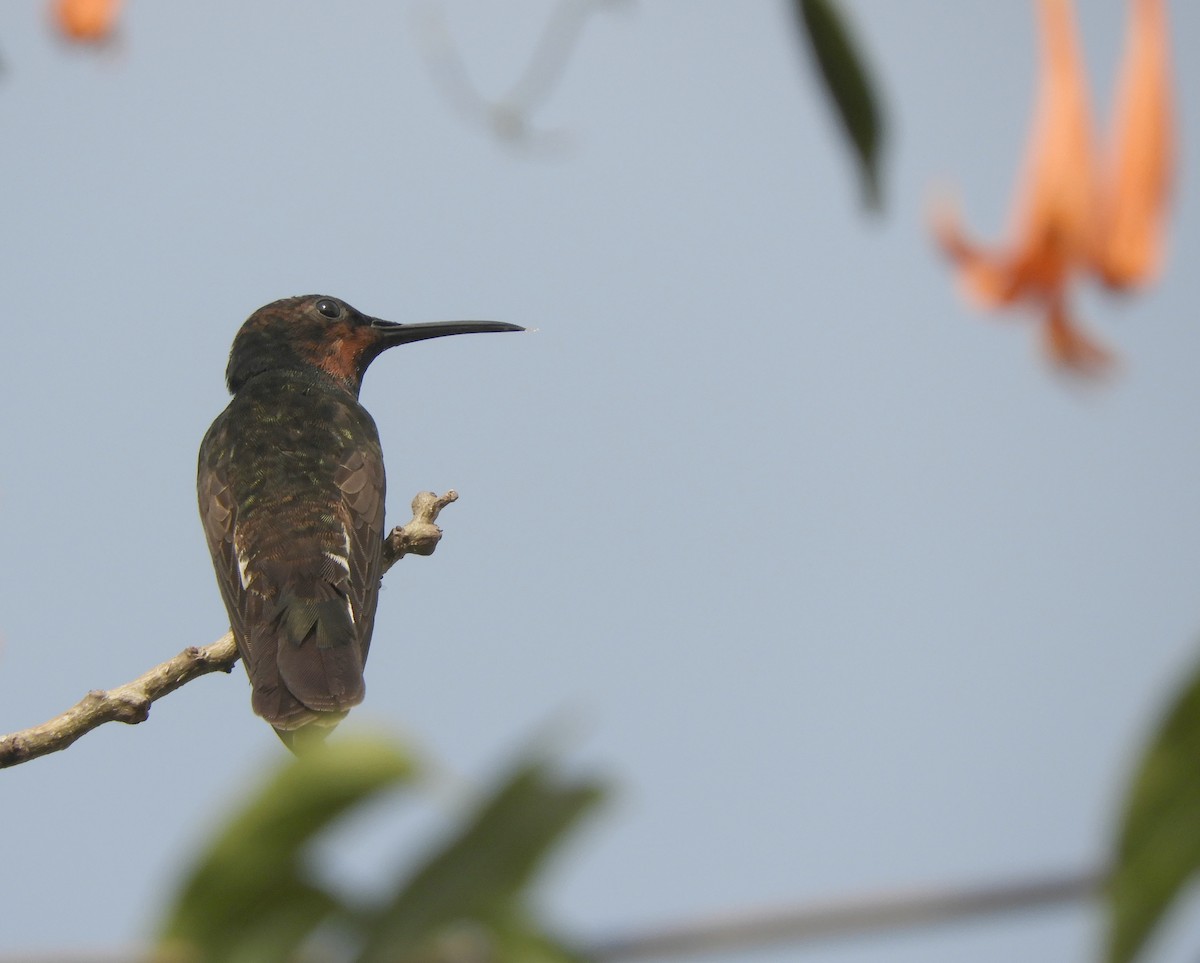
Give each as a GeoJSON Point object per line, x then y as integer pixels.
{"type": "Point", "coordinates": [306, 667]}
{"type": "Point", "coordinates": [311, 734]}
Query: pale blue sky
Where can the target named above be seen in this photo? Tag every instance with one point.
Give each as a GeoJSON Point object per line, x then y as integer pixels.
{"type": "Point", "coordinates": [835, 580]}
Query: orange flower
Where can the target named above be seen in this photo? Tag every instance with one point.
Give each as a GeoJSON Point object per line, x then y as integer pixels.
{"type": "Point", "coordinates": [86, 20]}
{"type": "Point", "coordinates": [1074, 213]}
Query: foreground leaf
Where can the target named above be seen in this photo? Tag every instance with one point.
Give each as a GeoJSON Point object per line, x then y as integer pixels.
{"type": "Point", "coordinates": [250, 897]}
{"type": "Point", "coordinates": [513, 940]}
{"type": "Point", "coordinates": [479, 875]}
{"type": "Point", "coordinates": [849, 85]}
{"type": "Point", "coordinates": [1158, 849]}
{"type": "Point", "coordinates": [518, 940]}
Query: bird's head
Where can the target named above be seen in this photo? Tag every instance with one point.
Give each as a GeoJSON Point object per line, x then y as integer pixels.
{"type": "Point", "coordinates": [317, 331]}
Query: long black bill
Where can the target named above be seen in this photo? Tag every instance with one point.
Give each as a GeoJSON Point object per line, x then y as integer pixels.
{"type": "Point", "coordinates": [393, 334]}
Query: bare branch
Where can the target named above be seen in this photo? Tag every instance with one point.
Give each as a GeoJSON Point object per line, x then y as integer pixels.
{"type": "Point", "coordinates": [130, 703]}
{"type": "Point", "coordinates": [850, 917]}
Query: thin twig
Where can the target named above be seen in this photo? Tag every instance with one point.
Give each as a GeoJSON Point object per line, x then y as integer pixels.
{"type": "Point", "coordinates": [130, 703]}
{"type": "Point", "coordinates": [509, 117]}
{"type": "Point", "coordinates": [850, 917]}
{"type": "Point", "coordinates": [547, 64]}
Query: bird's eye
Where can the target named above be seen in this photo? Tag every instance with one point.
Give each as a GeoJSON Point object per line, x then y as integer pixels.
{"type": "Point", "coordinates": [331, 309]}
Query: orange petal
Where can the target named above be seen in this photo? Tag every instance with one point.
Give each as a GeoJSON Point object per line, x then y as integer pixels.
{"type": "Point", "coordinates": [1069, 347]}
{"type": "Point", "coordinates": [86, 20]}
{"type": "Point", "coordinates": [1056, 213]}
{"type": "Point", "coordinates": [989, 278]}
{"type": "Point", "coordinates": [1142, 152]}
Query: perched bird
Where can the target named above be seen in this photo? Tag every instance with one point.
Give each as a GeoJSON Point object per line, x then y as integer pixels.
{"type": "Point", "coordinates": [291, 491]}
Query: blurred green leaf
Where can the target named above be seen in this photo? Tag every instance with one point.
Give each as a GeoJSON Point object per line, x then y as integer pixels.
{"type": "Point", "coordinates": [849, 85]}
{"type": "Point", "coordinates": [1158, 847]}
{"type": "Point", "coordinates": [520, 941]}
{"type": "Point", "coordinates": [504, 940]}
{"type": "Point", "coordinates": [480, 873]}
{"type": "Point", "coordinates": [249, 897]}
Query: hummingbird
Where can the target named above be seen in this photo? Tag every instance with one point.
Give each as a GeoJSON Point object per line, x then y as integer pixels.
{"type": "Point", "coordinates": [291, 490]}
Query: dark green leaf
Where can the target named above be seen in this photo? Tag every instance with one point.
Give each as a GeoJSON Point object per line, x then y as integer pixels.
{"type": "Point", "coordinates": [479, 875]}
{"type": "Point", "coordinates": [248, 897]}
{"type": "Point", "coordinates": [1158, 849]}
{"type": "Point", "coordinates": [848, 84]}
